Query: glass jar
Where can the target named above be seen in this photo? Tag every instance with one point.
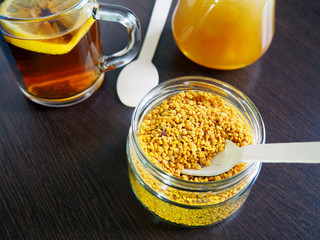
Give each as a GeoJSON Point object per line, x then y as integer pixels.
{"type": "Point", "coordinates": [185, 202]}
{"type": "Point", "coordinates": [224, 34]}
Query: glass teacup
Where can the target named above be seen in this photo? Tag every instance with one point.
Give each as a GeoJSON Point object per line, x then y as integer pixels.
{"type": "Point", "coordinates": [56, 46]}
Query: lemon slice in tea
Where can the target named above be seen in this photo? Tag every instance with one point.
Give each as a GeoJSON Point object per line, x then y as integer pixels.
{"type": "Point", "coordinates": [44, 34]}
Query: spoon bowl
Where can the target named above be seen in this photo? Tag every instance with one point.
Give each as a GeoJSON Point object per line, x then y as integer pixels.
{"type": "Point", "coordinates": [135, 80]}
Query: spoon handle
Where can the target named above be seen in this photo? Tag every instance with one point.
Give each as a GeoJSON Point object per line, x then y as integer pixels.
{"type": "Point", "coordinates": [302, 152]}
{"type": "Point", "coordinates": [158, 19]}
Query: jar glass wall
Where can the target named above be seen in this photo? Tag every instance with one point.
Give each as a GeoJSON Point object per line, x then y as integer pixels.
{"type": "Point", "coordinates": [185, 202]}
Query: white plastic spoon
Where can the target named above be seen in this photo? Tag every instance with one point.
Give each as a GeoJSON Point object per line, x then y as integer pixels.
{"type": "Point", "coordinates": [304, 152]}
{"type": "Point", "coordinates": [140, 76]}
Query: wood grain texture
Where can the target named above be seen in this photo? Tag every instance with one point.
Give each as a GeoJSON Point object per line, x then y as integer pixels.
{"type": "Point", "coordinates": [63, 172]}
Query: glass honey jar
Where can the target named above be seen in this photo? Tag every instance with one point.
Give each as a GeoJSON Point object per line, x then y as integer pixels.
{"type": "Point", "coordinates": [224, 34]}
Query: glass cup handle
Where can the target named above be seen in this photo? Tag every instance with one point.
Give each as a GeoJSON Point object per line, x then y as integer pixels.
{"type": "Point", "coordinates": [122, 15]}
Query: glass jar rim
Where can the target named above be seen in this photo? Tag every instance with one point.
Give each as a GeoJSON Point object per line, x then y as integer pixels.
{"type": "Point", "coordinates": [166, 89]}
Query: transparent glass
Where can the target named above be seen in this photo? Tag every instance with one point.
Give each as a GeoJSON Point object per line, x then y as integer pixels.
{"type": "Point", "coordinates": [57, 47]}
{"type": "Point", "coordinates": [224, 34]}
{"type": "Point", "coordinates": [184, 202]}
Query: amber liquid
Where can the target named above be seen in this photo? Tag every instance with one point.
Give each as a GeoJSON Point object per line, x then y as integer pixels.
{"type": "Point", "coordinates": [224, 34]}
{"type": "Point", "coordinates": [61, 76]}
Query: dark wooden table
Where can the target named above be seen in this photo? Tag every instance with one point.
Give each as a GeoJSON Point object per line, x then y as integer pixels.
{"type": "Point", "coordinates": [63, 172]}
